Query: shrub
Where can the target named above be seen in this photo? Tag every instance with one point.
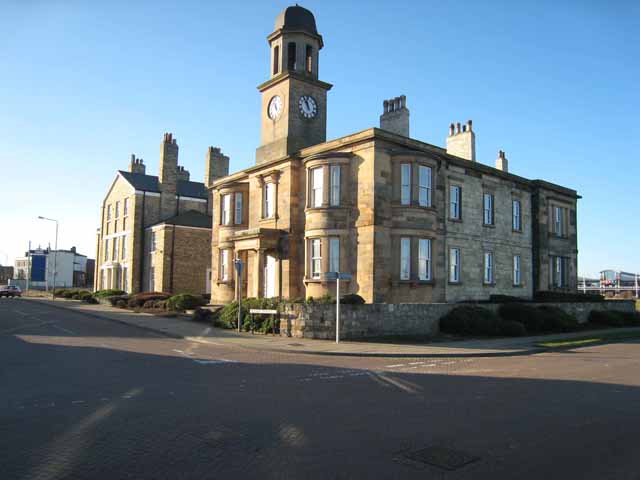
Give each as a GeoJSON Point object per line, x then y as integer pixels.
{"type": "Point", "coordinates": [86, 296]}
{"type": "Point", "coordinates": [121, 303]}
{"type": "Point", "coordinates": [58, 292]}
{"type": "Point", "coordinates": [139, 299]}
{"type": "Point", "coordinates": [184, 301]}
{"type": "Point", "coordinates": [529, 316]}
{"type": "Point", "coordinates": [614, 319]}
{"type": "Point", "coordinates": [557, 320]}
{"type": "Point", "coordinates": [114, 299]}
{"type": "Point", "coordinates": [262, 323]}
{"type": "Point", "coordinates": [548, 296]}
{"type": "Point", "coordinates": [69, 293]}
{"type": "Point", "coordinates": [470, 320]}
{"type": "Point", "coordinates": [352, 299]}
{"type": "Point", "coordinates": [108, 293]}
{"type": "Point", "coordinates": [202, 315]}
{"type": "Point", "coordinates": [511, 328]}
{"type": "Point", "coordinates": [506, 299]}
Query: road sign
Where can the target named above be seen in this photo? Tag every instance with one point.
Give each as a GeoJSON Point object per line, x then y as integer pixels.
{"type": "Point", "coordinates": [263, 311]}
{"type": "Point", "coordinates": [330, 276]}
{"type": "Point", "coordinates": [238, 264]}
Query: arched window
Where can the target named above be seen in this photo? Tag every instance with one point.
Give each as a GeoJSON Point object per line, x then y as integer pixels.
{"type": "Point", "coordinates": [309, 59]}
{"type": "Point", "coordinates": [276, 59]}
{"type": "Point", "coordinates": [291, 56]}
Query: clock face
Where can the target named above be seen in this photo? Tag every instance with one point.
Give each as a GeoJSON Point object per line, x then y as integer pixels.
{"type": "Point", "coordinates": [308, 106]}
{"type": "Point", "coordinates": [275, 107]}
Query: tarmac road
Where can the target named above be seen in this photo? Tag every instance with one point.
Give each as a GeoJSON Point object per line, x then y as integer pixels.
{"type": "Point", "coordinates": [82, 397]}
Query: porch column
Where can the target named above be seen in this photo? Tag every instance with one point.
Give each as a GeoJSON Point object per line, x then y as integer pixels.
{"type": "Point", "coordinates": [259, 274]}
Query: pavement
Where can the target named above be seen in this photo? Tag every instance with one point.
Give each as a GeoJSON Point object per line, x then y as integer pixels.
{"type": "Point", "coordinates": [86, 397]}
{"type": "Point", "coordinates": [182, 327]}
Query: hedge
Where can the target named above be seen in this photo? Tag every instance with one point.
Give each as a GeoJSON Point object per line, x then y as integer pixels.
{"type": "Point", "coordinates": [545, 318]}
{"type": "Point", "coordinates": [138, 300]}
{"type": "Point", "coordinates": [184, 301]}
{"type": "Point", "coordinates": [615, 319]}
{"type": "Point", "coordinates": [108, 293]}
{"type": "Point", "coordinates": [263, 323]}
{"type": "Point", "coordinates": [559, 297]}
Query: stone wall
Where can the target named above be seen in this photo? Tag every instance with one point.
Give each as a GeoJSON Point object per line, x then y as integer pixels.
{"type": "Point", "coordinates": [410, 319]}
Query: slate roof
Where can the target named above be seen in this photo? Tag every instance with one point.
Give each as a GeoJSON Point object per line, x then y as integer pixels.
{"type": "Point", "coordinates": [149, 183]}
{"type": "Point", "coordinates": [190, 218]}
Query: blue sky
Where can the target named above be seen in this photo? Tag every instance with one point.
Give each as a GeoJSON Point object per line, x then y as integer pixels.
{"type": "Point", "coordinates": [85, 84]}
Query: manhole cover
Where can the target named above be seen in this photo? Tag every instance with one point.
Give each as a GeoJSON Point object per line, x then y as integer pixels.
{"type": "Point", "coordinates": [441, 457]}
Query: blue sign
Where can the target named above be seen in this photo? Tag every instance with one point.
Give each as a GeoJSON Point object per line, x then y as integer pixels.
{"type": "Point", "coordinates": [38, 268]}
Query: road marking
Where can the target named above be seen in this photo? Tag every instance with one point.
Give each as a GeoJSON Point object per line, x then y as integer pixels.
{"type": "Point", "coordinates": [213, 362]}
{"type": "Point", "coordinates": [77, 402]}
{"type": "Point", "coordinates": [25, 326]}
{"type": "Point", "coordinates": [55, 325]}
{"type": "Point", "coordinates": [395, 366]}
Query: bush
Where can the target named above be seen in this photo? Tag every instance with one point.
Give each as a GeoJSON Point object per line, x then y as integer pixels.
{"type": "Point", "coordinates": [108, 293]}
{"type": "Point", "coordinates": [184, 301]}
{"type": "Point", "coordinates": [138, 300]}
{"type": "Point", "coordinates": [58, 292]}
{"type": "Point", "coordinates": [115, 299]}
{"type": "Point", "coordinates": [121, 303]}
{"type": "Point", "coordinates": [86, 296]}
{"type": "Point", "coordinates": [557, 320]}
{"type": "Point", "coordinates": [506, 299]}
{"type": "Point", "coordinates": [470, 320]}
{"type": "Point", "coordinates": [262, 323]}
{"type": "Point", "coordinates": [615, 319]}
{"type": "Point", "coordinates": [547, 296]}
{"type": "Point", "coordinates": [511, 328]}
{"type": "Point", "coordinates": [529, 316]}
{"type": "Point", "coordinates": [352, 299]}
{"type": "Point", "coordinates": [69, 293]}
{"type": "Point", "coordinates": [202, 315]}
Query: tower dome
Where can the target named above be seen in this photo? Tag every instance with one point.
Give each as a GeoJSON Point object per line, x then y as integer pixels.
{"type": "Point", "coordinates": [296, 19]}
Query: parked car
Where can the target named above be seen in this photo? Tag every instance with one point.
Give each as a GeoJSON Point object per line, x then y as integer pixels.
{"type": "Point", "coordinates": [10, 291]}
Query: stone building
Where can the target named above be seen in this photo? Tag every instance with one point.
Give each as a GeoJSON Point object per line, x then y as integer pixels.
{"type": "Point", "coordinates": [410, 221]}
{"type": "Point", "coordinates": [155, 232]}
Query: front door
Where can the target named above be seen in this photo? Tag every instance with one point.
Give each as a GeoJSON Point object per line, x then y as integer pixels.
{"type": "Point", "coordinates": [270, 276]}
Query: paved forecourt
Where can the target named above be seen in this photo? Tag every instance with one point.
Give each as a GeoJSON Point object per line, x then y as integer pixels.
{"type": "Point", "coordinates": [88, 398]}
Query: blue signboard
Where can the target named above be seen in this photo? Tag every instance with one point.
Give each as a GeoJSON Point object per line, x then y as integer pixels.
{"type": "Point", "coordinates": [38, 268]}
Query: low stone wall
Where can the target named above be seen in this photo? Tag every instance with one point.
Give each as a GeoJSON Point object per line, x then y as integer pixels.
{"type": "Point", "coordinates": [407, 319]}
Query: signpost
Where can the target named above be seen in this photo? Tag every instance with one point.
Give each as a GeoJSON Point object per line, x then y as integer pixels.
{"type": "Point", "coordinates": [237, 263]}
{"type": "Point", "coordinates": [337, 276]}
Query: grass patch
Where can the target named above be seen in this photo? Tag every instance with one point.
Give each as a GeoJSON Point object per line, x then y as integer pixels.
{"type": "Point", "coordinates": [578, 342]}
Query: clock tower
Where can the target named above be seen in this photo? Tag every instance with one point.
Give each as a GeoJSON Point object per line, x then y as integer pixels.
{"type": "Point", "coordinates": [294, 102]}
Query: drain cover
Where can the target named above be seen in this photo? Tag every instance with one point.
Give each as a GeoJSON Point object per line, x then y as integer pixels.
{"type": "Point", "coordinates": [445, 458]}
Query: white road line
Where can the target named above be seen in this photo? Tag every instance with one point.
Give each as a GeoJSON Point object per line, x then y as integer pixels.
{"type": "Point", "coordinates": [55, 325]}
{"type": "Point", "coordinates": [213, 362]}
{"type": "Point", "coordinates": [395, 366]}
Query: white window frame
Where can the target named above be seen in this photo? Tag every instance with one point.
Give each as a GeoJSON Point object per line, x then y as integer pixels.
{"type": "Point", "coordinates": [114, 249]}
{"type": "Point", "coordinates": [226, 209]}
{"type": "Point", "coordinates": [517, 270]}
{"type": "Point", "coordinates": [125, 207]}
{"type": "Point", "coordinates": [224, 265]}
{"type": "Point", "coordinates": [237, 218]}
{"type": "Point", "coordinates": [335, 185]}
{"type": "Point", "coordinates": [425, 176]}
{"type": "Point", "coordinates": [108, 212]}
{"type": "Point", "coordinates": [487, 204]}
{"type": "Point", "coordinates": [106, 250]}
{"type": "Point", "coordinates": [317, 186]}
{"type": "Point", "coordinates": [488, 268]}
{"type": "Point", "coordinates": [117, 210]}
{"type": "Point", "coordinates": [124, 248]}
{"type": "Point", "coordinates": [454, 265]}
{"type": "Point", "coordinates": [334, 254]}
{"type": "Point", "coordinates": [268, 200]}
{"type": "Point", "coordinates": [424, 259]}
{"type": "Point", "coordinates": [315, 255]}
{"type": "Point", "coordinates": [455, 197]}
{"type": "Point", "coordinates": [405, 184]}
{"type": "Point", "coordinates": [152, 242]}
{"type": "Point", "coordinates": [124, 224]}
{"type": "Point", "coordinates": [517, 215]}
{"type": "Point", "coordinates": [405, 258]}
{"type": "Point", "coordinates": [558, 220]}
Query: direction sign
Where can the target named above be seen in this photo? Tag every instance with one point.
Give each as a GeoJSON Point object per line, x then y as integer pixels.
{"type": "Point", "coordinates": [329, 276]}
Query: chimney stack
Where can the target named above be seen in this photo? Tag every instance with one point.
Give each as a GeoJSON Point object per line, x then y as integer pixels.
{"type": "Point", "coordinates": [461, 142]}
{"type": "Point", "coordinates": [183, 174]}
{"type": "Point", "coordinates": [395, 116]}
{"type": "Point", "coordinates": [136, 165]}
{"type": "Point", "coordinates": [501, 162]}
{"type": "Point", "coordinates": [168, 163]}
{"type": "Point", "coordinates": [216, 166]}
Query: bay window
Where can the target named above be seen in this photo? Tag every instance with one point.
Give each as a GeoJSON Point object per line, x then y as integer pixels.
{"type": "Point", "coordinates": [405, 258]}
{"type": "Point", "coordinates": [334, 254]}
{"type": "Point", "coordinates": [405, 184]}
{"type": "Point", "coordinates": [335, 185]}
{"type": "Point", "coordinates": [224, 265]}
{"type": "Point", "coordinates": [316, 258]}
{"type": "Point", "coordinates": [424, 259]}
{"type": "Point", "coordinates": [238, 208]}
{"type": "Point", "coordinates": [226, 209]}
{"type": "Point", "coordinates": [317, 186]}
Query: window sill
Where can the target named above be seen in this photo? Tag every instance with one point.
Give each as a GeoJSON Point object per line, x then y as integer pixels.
{"type": "Point", "coordinates": [224, 282]}
{"type": "Point", "coordinates": [268, 219]}
{"type": "Point", "coordinates": [322, 281]}
{"type": "Point", "coordinates": [415, 283]}
{"type": "Point", "coordinates": [517, 285]}
{"type": "Point", "coordinates": [488, 284]}
{"type": "Point", "coordinates": [455, 220]}
{"type": "Point", "coordinates": [416, 206]}
{"type": "Point", "coordinates": [325, 208]}
{"type": "Point", "coordinates": [489, 225]}
{"type": "Point", "coordinates": [454, 284]}
{"type": "Point", "coordinates": [513, 230]}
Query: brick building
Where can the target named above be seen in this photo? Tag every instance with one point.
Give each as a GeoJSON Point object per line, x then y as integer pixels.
{"type": "Point", "coordinates": [155, 232]}
{"type": "Point", "coordinates": [412, 222]}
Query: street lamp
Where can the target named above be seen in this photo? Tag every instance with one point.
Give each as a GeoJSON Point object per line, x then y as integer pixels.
{"type": "Point", "coordinates": [55, 255]}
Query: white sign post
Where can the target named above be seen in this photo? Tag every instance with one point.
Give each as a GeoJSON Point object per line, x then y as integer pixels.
{"type": "Point", "coordinates": [337, 276]}
{"type": "Point", "coordinates": [237, 263]}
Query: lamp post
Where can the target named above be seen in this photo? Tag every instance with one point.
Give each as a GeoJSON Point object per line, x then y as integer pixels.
{"type": "Point", "coordinates": [55, 255]}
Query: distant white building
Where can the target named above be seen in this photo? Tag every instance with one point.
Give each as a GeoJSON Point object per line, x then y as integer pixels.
{"type": "Point", "coordinates": [39, 266]}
